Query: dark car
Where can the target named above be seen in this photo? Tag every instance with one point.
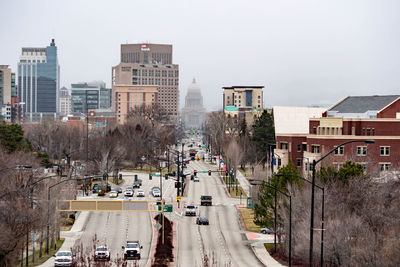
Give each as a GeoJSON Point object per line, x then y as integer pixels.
{"type": "Point", "coordinates": [267, 231]}
{"type": "Point", "coordinates": [193, 158]}
{"type": "Point", "coordinates": [202, 220]}
{"type": "Point", "coordinates": [137, 184]}
{"type": "Point", "coordinates": [118, 189]}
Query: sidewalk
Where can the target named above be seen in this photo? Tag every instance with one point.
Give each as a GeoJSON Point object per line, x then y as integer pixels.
{"type": "Point", "coordinates": [244, 183]}
{"type": "Point", "coordinates": [70, 236]}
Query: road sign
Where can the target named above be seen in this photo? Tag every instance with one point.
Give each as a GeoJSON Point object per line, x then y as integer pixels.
{"type": "Point", "coordinates": [204, 147]}
{"type": "Point", "coordinates": [198, 158]}
{"type": "Point", "coordinates": [202, 171]}
{"type": "Point", "coordinates": [158, 226]}
{"type": "Point", "coordinates": [155, 174]}
{"type": "Point", "coordinates": [178, 198]}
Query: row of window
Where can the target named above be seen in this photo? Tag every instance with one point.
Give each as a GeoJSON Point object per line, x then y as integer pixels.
{"type": "Point", "coordinates": [155, 81]}
{"type": "Point", "coordinates": [384, 166]}
{"type": "Point", "coordinates": [361, 150]}
{"type": "Point", "coordinates": [152, 73]}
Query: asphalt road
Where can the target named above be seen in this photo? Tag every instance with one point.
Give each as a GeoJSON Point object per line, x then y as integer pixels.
{"type": "Point", "coordinates": [223, 241]}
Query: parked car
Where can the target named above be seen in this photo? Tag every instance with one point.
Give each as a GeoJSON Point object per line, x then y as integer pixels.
{"type": "Point", "coordinates": [63, 258]}
{"type": "Point", "coordinates": [202, 220]}
{"type": "Point", "coordinates": [102, 253]}
{"type": "Point", "coordinates": [129, 192]}
{"type": "Point", "coordinates": [140, 193]}
{"type": "Point", "coordinates": [267, 231]}
{"type": "Point", "coordinates": [113, 194]}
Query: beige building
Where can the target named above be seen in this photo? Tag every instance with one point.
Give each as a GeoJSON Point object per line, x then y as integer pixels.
{"type": "Point", "coordinates": [7, 84]}
{"type": "Point", "coordinates": [248, 97]}
{"type": "Point", "coordinates": [129, 97]}
{"type": "Point", "coordinates": [150, 64]}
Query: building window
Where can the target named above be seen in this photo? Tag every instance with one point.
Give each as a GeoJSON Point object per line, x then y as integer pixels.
{"type": "Point", "coordinates": [339, 151]}
{"type": "Point", "coordinates": [337, 166]}
{"type": "Point", "coordinates": [298, 162]}
{"type": "Point", "coordinates": [368, 131]}
{"type": "Point", "coordinates": [299, 148]}
{"type": "Point", "coordinates": [363, 131]}
{"type": "Point", "coordinates": [315, 149]}
{"type": "Point", "coordinates": [384, 166]}
{"type": "Point", "coordinates": [279, 162]}
{"type": "Point", "coordinates": [361, 151]}
{"type": "Point", "coordinates": [314, 130]}
{"type": "Point", "coordinates": [373, 131]}
{"type": "Point", "coordinates": [284, 145]}
{"type": "Point", "coordinates": [385, 150]}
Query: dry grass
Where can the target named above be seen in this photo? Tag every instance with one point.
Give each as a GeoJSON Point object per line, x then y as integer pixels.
{"type": "Point", "coordinates": [44, 258]}
{"type": "Point", "coordinates": [248, 217]}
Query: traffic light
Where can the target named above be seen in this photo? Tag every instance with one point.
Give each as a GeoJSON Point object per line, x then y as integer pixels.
{"type": "Point", "coordinates": [120, 176]}
{"type": "Point", "coordinates": [209, 172]}
{"type": "Point", "coordinates": [195, 173]}
{"type": "Point", "coordinates": [176, 184]}
{"type": "Point", "coordinates": [150, 177]}
{"type": "Point", "coordinates": [166, 177]}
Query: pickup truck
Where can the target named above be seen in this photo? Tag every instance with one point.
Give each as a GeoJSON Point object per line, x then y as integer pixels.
{"type": "Point", "coordinates": [102, 253]}
{"type": "Point", "coordinates": [132, 250]}
{"type": "Point", "coordinates": [206, 200]}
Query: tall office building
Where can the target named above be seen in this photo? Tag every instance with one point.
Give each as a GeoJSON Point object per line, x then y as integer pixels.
{"type": "Point", "coordinates": [86, 96]}
{"type": "Point", "coordinates": [193, 114]}
{"type": "Point", "coordinates": [7, 84]}
{"type": "Point", "coordinates": [149, 64]}
{"type": "Point", "coordinates": [38, 81]}
{"type": "Point", "coordinates": [65, 102]}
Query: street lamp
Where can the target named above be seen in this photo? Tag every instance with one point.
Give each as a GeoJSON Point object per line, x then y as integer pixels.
{"type": "Point", "coordinates": [315, 162]}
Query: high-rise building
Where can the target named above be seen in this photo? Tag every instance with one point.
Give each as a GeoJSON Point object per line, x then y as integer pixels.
{"type": "Point", "coordinates": [246, 97]}
{"type": "Point", "coordinates": [7, 84]}
{"type": "Point", "coordinates": [65, 102]}
{"type": "Point", "coordinates": [38, 81]}
{"type": "Point", "coordinates": [193, 114]}
{"type": "Point", "coordinates": [87, 96]}
{"type": "Point", "coordinates": [149, 64]}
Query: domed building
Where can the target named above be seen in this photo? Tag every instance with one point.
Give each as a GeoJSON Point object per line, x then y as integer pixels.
{"type": "Point", "coordinates": [193, 114]}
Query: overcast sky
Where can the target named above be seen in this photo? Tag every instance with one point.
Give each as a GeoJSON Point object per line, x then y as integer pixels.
{"type": "Point", "coordinates": [303, 52]}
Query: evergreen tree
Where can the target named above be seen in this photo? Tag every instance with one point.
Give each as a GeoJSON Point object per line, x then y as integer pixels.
{"type": "Point", "coordinates": [263, 135]}
{"type": "Point", "coordinates": [12, 138]}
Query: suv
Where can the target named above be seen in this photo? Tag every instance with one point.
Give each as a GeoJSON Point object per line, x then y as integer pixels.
{"type": "Point", "coordinates": [156, 193]}
{"type": "Point", "coordinates": [63, 258]}
{"type": "Point", "coordinates": [102, 253]}
{"type": "Point", "coordinates": [190, 210]}
{"type": "Point", "coordinates": [206, 200]}
{"type": "Point", "coordinates": [132, 250]}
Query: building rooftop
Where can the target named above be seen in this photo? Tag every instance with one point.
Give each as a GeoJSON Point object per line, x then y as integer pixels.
{"type": "Point", "coordinates": [362, 104]}
{"type": "Point", "coordinates": [249, 86]}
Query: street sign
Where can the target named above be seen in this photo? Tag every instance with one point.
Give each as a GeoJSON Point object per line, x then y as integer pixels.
{"type": "Point", "coordinates": [178, 198]}
{"type": "Point", "coordinates": [155, 174]}
{"type": "Point", "coordinates": [198, 158]}
{"type": "Point", "coordinates": [158, 226]}
{"type": "Point", "coordinates": [204, 147]}
{"type": "Point", "coordinates": [202, 171]}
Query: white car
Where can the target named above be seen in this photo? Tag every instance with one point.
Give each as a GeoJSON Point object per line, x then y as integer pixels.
{"type": "Point", "coordinates": [196, 179]}
{"type": "Point", "coordinates": [140, 193]}
{"type": "Point", "coordinates": [156, 193]}
{"type": "Point", "coordinates": [63, 258]}
{"type": "Point", "coordinates": [129, 193]}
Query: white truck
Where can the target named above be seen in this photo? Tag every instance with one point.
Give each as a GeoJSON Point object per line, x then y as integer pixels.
{"type": "Point", "coordinates": [102, 253]}
{"type": "Point", "coordinates": [132, 250]}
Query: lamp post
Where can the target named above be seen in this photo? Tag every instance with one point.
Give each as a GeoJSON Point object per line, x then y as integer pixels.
{"type": "Point", "coordinates": [315, 162]}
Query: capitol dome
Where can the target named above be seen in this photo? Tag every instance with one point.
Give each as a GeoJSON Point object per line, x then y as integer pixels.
{"type": "Point", "coordinates": [193, 114]}
{"type": "Point", "coordinates": [194, 88]}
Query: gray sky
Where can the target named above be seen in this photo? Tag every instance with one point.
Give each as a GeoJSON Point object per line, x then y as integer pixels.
{"type": "Point", "coordinates": [303, 52]}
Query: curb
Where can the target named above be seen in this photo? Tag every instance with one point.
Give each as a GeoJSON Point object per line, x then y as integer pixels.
{"type": "Point", "coordinates": [153, 244]}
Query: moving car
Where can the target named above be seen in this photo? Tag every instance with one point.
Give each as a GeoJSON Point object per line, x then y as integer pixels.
{"type": "Point", "coordinates": [137, 183]}
{"type": "Point", "coordinates": [63, 258]}
{"type": "Point", "coordinates": [129, 192]}
{"type": "Point", "coordinates": [190, 210]}
{"type": "Point", "coordinates": [267, 231]}
{"type": "Point", "coordinates": [118, 189]}
{"type": "Point", "coordinates": [102, 253]}
{"type": "Point", "coordinates": [196, 179]}
{"type": "Point", "coordinates": [156, 193]}
{"type": "Point", "coordinates": [113, 194]}
{"type": "Point", "coordinates": [132, 250]}
{"type": "Point", "coordinates": [202, 220]}
{"type": "Point", "coordinates": [206, 200]}
{"type": "Point", "coordinates": [140, 193]}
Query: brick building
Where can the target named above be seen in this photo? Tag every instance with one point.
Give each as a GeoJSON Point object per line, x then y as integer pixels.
{"type": "Point", "coordinates": [353, 118]}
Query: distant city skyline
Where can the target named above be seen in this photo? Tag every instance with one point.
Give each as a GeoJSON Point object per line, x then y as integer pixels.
{"type": "Point", "coordinates": [305, 53]}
